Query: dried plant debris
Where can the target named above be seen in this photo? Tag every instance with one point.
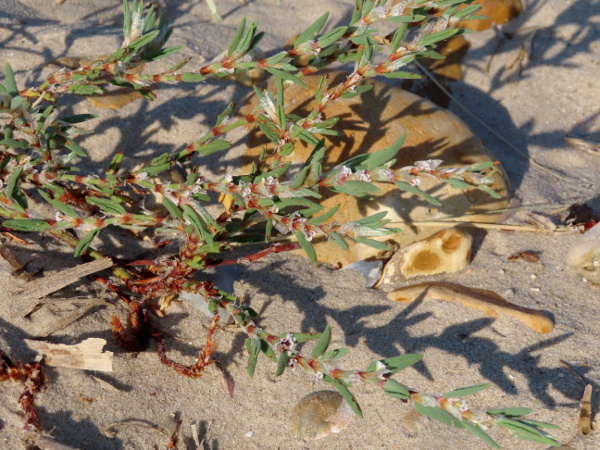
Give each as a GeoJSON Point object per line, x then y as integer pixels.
{"type": "Point", "coordinates": [487, 301]}
{"type": "Point", "coordinates": [168, 428]}
{"type": "Point", "coordinates": [30, 374]}
{"type": "Point", "coordinates": [319, 414]}
{"type": "Point", "coordinates": [592, 147]}
{"type": "Point", "coordinates": [47, 443]}
{"type": "Point", "coordinates": [585, 413]}
{"type": "Point", "coordinates": [526, 255]}
{"type": "Point", "coordinates": [86, 355]}
{"type": "Point", "coordinates": [35, 290]}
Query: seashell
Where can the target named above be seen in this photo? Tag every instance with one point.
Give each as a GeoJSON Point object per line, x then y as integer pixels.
{"type": "Point", "coordinates": [319, 414]}
{"type": "Point", "coordinates": [444, 252]}
{"type": "Point", "coordinates": [374, 120]}
{"type": "Point", "coordinates": [584, 255]}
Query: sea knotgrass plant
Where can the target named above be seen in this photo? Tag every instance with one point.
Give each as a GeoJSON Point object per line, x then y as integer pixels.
{"type": "Point", "coordinates": [39, 157]}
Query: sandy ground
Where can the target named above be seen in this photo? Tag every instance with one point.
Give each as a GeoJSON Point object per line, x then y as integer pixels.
{"type": "Point", "coordinates": [556, 95]}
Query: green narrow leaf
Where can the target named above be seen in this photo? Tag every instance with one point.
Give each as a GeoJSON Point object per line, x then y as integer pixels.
{"type": "Point", "coordinates": [372, 243]}
{"type": "Point", "coordinates": [194, 218]}
{"type": "Point", "coordinates": [287, 76]}
{"type": "Point", "coordinates": [78, 118]}
{"type": "Point", "coordinates": [403, 75]}
{"type": "Point", "coordinates": [126, 19]}
{"type": "Point", "coordinates": [371, 219]}
{"type": "Point", "coordinates": [324, 217]}
{"type": "Point", "coordinates": [253, 347]}
{"type": "Point", "coordinates": [26, 224]}
{"type": "Point", "coordinates": [330, 38]}
{"type": "Point", "coordinates": [439, 414]}
{"type": "Point", "coordinates": [334, 354]}
{"type": "Point", "coordinates": [307, 247]}
{"type": "Point", "coordinates": [75, 148]}
{"type": "Point", "coordinates": [282, 363]}
{"type": "Point", "coordinates": [397, 363]}
{"type": "Point", "coordinates": [9, 80]}
{"type": "Point", "coordinates": [511, 412]}
{"type": "Point", "coordinates": [323, 343]}
{"type": "Point", "coordinates": [85, 242]}
{"type": "Point", "coordinates": [398, 36]}
{"type": "Point", "coordinates": [85, 89]}
{"type": "Point", "coordinates": [467, 390]}
{"type": "Point", "coordinates": [237, 37]}
{"type": "Point", "coordinates": [538, 424]}
{"type": "Point", "coordinates": [11, 187]}
{"type": "Point", "coordinates": [62, 207]}
{"type": "Point", "coordinates": [216, 145]}
{"type": "Point", "coordinates": [312, 30]}
{"type": "Point", "coordinates": [357, 12]}
{"type": "Point", "coordinates": [478, 432]}
{"type": "Point", "coordinates": [402, 185]}
{"type": "Point", "coordinates": [106, 205]}
{"type": "Point", "coordinates": [172, 208]}
{"type": "Point", "coordinates": [339, 240]}
{"type": "Point", "coordinates": [348, 396]}
{"type": "Point", "coordinates": [268, 351]}
{"type": "Point", "coordinates": [396, 390]}
{"type": "Point", "coordinates": [458, 184]}
{"type": "Point", "coordinates": [485, 188]}
{"type": "Point", "coordinates": [525, 431]}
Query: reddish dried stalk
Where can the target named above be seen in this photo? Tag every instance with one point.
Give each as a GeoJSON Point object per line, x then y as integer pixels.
{"type": "Point", "coordinates": [204, 357]}
{"type": "Point", "coordinates": [31, 376]}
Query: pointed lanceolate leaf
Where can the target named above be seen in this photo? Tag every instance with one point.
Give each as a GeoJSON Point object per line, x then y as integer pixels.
{"type": "Point", "coordinates": [9, 80]}
{"type": "Point", "coordinates": [339, 240]}
{"type": "Point", "coordinates": [511, 412]}
{"type": "Point", "coordinates": [323, 343]}
{"type": "Point", "coordinates": [335, 354]}
{"type": "Point", "coordinates": [372, 243]}
{"type": "Point", "coordinates": [396, 390]}
{"type": "Point", "coordinates": [439, 414]}
{"type": "Point", "coordinates": [475, 430]}
{"type": "Point", "coordinates": [307, 247]}
{"type": "Point", "coordinates": [172, 208]}
{"type": "Point", "coordinates": [26, 224]}
{"type": "Point", "coordinates": [84, 243]}
{"type": "Point", "coordinates": [323, 217]}
{"type": "Point", "coordinates": [312, 30]}
{"type": "Point", "coordinates": [253, 347]}
{"type": "Point", "coordinates": [106, 205]}
{"type": "Point", "coordinates": [348, 396]}
{"type": "Point", "coordinates": [62, 207]}
{"type": "Point", "coordinates": [415, 190]}
{"type": "Point", "coordinates": [268, 350]}
{"type": "Point", "coordinates": [237, 37]}
{"type": "Point", "coordinates": [397, 363]}
{"type": "Point", "coordinates": [526, 431]}
{"type": "Point", "coordinates": [282, 363]}
{"type": "Point", "coordinates": [467, 390]}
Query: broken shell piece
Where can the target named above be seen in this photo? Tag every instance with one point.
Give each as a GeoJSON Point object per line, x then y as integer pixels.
{"type": "Point", "coordinates": [584, 256]}
{"type": "Point", "coordinates": [446, 251]}
{"type": "Point", "coordinates": [487, 301]}
{"type": "Point", "coordinates": [371, 270]}
{"type": "Point", "coordinates": [319, 414]}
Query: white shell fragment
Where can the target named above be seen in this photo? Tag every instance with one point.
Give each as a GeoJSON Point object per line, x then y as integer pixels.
{"type": "Point", "coordinates": [319, 414]}
{"type": "Point", "coordinates": [446, 251]}
{"type": "Point", "coordinates": [584, 256]}
{"type": "Point", "coordinates": [371, 270]}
